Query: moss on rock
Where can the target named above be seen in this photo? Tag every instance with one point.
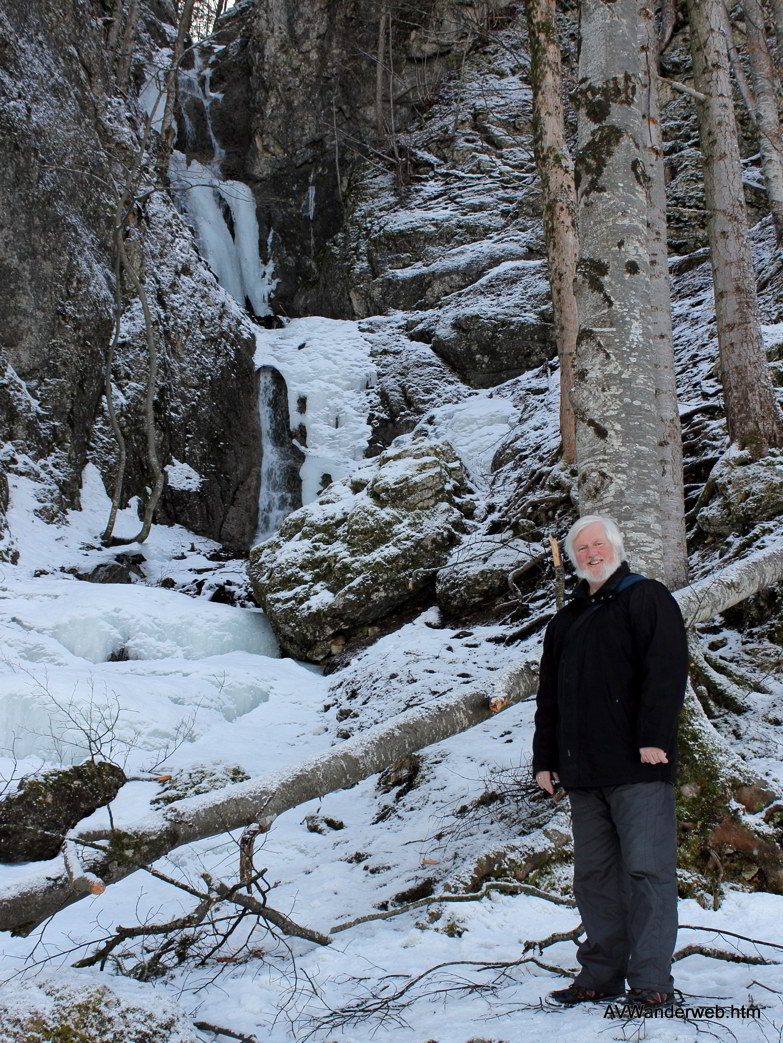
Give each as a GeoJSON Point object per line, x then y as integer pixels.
{"type": "Point", "coordinates": [367, 546]}
{"type": "Point", "coordinates": [741, 492]}
{"type": "Point", "coordinates": [199, 780]}
{"type": "Point", "coordinates": [70, 1010]}
{"type": "Point", "coordinates": [714, 841]}
{"type": "Point", "coordinates": [34, 820]}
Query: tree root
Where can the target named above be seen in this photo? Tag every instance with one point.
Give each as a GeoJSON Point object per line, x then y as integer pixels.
{"type": "Point", "coordinates": [719, 954]}
{"type": "Point", "coordinates": [206, 1026]}
{"type": "Point", "coordinates": [504, 887]}
{"type": "Point", "coordinates": [720, 689]}
{"type": "Point", "coordinates": [739, 677]}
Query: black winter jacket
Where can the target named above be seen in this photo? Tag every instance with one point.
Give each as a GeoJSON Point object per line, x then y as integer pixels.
{"type": "Point", "coordinates": [613, 675]}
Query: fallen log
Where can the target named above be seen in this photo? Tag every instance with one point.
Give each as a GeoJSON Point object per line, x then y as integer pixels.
{"type": "Point", "coordinates": [25, 906]}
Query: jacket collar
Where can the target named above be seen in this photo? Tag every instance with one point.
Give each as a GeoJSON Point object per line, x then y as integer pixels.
{"type": "Point", "coordinates": [582, 593]}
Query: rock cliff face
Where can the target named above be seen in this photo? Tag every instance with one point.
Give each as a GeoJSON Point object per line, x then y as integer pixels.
{"type": "Point", "coordinates": [69, 137]}
{"type": "Point", "coordinates": [311, 91]}
{"type": "Point", "coordinates": [58, 121]}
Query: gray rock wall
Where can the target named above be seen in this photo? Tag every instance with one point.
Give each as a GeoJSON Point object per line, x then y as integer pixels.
{"type": "Point", "coordinates": [58, 122]}
{"type": "Point", "coordinates": [67, 136]}
{"type": "Point", "coordinates": [311, 113]}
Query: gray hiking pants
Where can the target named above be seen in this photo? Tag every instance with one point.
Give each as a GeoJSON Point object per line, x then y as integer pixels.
{"type": "Point", "coordinates": [625, 884]}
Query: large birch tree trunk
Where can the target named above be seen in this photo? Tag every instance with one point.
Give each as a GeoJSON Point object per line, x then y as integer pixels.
{"type": "Point", "coordinates": [556, 170]}
{"type": "Point", "coordinates": [672, 496]}
{"type": "Point", "coordinates": [615, 394]}
{"type": "Point", "coordinates": [767, 121]}
{"type": "Point", "coordinates": [753, 417]}
{"type": "Point", "coordinates": [24, 906]}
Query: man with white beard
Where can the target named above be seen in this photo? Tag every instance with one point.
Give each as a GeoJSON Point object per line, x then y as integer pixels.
{"type": "Point", "coordinates": [612, 682]}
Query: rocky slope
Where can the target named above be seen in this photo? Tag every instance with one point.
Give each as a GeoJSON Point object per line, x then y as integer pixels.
{"type": "Point", "coordinates": [405, 202]}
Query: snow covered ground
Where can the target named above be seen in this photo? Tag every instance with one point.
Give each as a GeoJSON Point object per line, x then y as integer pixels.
{"type": "Point", "coordinates": [182, 686]}
{"type": "Point", "coordinates": [197, 686]}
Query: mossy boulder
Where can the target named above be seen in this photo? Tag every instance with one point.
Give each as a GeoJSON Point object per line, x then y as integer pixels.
{"type": "Point", "coordinates": [368, 545]}
{"type": "Point", "coordinates": [70, 1009]}
{"type": "Point", "coordinates": [741, 492]}
{"type": "Point", "coordinates": [716, 842]}
{"type": "Point", "coordinates": [34, 820]}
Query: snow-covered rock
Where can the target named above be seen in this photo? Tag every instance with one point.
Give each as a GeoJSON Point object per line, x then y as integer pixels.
{"type": "Point", "coordinates": [34, 820]}
{"type": "Point", "coordinates": [744, 492]}
{"type": "Point", "coordinates": [66, 1005]}
{"type": "Point", "coordinates": [478, 572]}
{"type": "Point", "coordinates": [368, 545]}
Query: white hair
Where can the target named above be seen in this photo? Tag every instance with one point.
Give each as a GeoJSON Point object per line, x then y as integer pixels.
{"type": "Point", "coordinates": [613, 534]}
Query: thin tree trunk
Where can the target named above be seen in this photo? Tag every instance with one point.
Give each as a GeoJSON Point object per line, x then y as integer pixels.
{"type": "Point", "coordinates": [380, 64]}
{"type": "Point", "coordinates": [754, 420]}
{"type": "Point", "coordinates": [196, 818]}
{"type": "Point", "coordinates": [767, 120]}
{"type": "Point", "coordinates": [113, 420]}
{"type": "Point", "coordinates": [668, 20]}
{"type": "Point", "coordinates": [124, 203]}
{"type": "Point", "coordinates": [615, 387]}
{"type": "Point", "coordinates": [777, 15]}
{"type": "Point", "coordinates": [556, 170]}
{"type": "Point", "coordinates": [149, 399]}
{"type": "Point", "coordinates": [168, 130]}
{"type": "Point", "coordinates": [116, 25]}
{"type": "Point", "coordinates": [218, 12]}
{"type": "Point", "coordinates": [128, 43]}
{"type": "Point", "coordinates": [736, 64]}
{"type": "Point", "coordinates": [392, 124]}
{"type": "Point", "coordinates": [675, 556]}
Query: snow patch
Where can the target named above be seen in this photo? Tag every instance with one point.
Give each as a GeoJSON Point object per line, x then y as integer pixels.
{"type": "Point", "coordinates": [182, 477]}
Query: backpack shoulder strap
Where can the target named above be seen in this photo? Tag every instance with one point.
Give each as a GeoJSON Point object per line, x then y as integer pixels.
{"type": "Point", "coordinates": [628, 581]}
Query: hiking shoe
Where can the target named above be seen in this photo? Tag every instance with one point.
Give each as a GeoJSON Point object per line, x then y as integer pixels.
{"type": "Point", "coordinates": [648, 999]}
{"type": "Point", "coordinates": [576, 993]}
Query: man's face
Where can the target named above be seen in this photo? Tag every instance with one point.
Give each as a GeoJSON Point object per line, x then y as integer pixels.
{"type": "Point", "coordinates": [596, 558]}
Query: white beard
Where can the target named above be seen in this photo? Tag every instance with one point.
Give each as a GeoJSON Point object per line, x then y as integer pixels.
{"type": "Point", "coordinates": [598, 577]}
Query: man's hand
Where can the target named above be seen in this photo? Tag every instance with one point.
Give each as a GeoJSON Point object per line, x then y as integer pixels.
{"type": "Point", "coordinates": [546, 779]}
{"type": "Point", "coordinates": [650, 755]}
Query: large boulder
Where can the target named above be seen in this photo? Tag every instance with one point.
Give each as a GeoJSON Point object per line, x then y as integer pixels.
{"type": "Point", "coordinates": [34, 820]}
{"type": "Point", "coordinates": [371, 543]}
{"type": "Point", "coordinates": [742, 492]}
{"type": "Point", "coordinates": [69, 1008]}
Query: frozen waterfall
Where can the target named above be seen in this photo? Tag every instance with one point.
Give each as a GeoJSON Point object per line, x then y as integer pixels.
{"type": "Point", "coordinates": [281, 485]}
{"type": "Point", "coordinates": [223, 214]}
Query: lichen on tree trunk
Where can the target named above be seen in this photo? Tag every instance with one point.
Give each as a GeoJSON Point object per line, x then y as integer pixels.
{"type": "Point", "coordinates": [615, 393]}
